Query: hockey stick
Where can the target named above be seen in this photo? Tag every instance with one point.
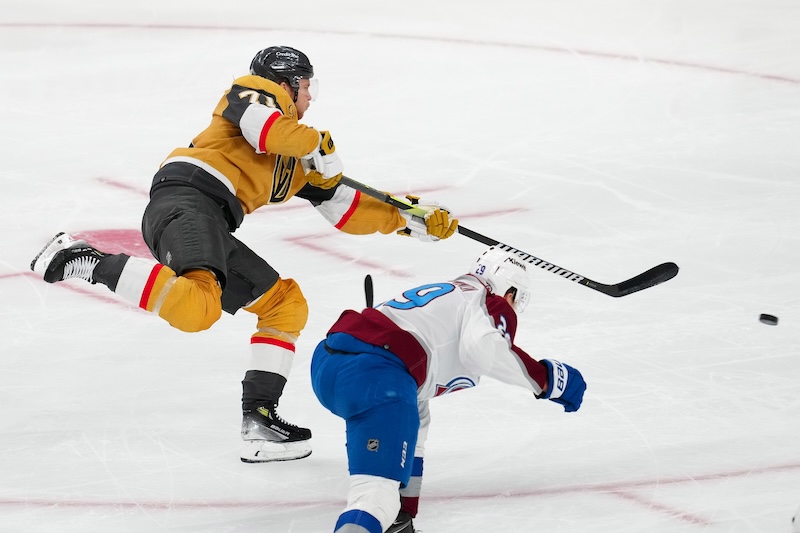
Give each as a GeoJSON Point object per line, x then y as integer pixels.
{"type": "Point", "coordinates": [368, 292]}
{"type": "Point", "coordinates": [655, 276]}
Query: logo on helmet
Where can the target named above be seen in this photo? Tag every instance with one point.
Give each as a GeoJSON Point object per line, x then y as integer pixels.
{"type": "Point", "coordinates": [516, 263]}
{"type": "Point", "coordinates": [501, 270]}
{"type": "Point", "coordinates": [287, 55]}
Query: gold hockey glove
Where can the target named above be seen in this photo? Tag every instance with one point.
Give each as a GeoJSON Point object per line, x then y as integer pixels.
{"type": "Point", "coordinates": [434, 225]}
{"type": "Point", "coordinates": [322, 165]}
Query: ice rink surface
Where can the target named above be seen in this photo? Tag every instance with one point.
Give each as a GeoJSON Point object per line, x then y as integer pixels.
{"type": "Point", "coordinates": [605, 137]}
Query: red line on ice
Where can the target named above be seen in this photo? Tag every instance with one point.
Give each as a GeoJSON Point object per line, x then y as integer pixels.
{"type": "Point", "coordinates": [621, 489]}
{"type": "Point", "coordinates": [307, 241]}
{"type": "Point", "coordinates": [664, 509]}
{"type": "Point", "coordinates": [111, 182]}
{"type": "Point", "coordinates": [426, 38]}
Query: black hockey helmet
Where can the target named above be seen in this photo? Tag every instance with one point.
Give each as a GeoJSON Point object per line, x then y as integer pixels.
{"type": "Point", "coordinates": [282, 64]}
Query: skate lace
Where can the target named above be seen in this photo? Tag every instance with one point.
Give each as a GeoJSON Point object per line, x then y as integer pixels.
{"type": "Point", "coordinates": [277, 417]}
{"type": "Point", "coordinates": [81, 267]}
{"type": "Point", "coordinates": [272, 414]}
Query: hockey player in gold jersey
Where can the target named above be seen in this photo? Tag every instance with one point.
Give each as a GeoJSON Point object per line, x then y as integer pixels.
{"type": "Point", "coordinates": [254, 153]}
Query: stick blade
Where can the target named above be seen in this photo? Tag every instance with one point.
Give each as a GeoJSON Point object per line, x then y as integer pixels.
{"type": "Point", "coordinates": [655, 276]}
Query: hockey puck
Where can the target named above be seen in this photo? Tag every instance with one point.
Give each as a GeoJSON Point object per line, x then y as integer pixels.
{"type": "Point", "coordinates": [770, 320]}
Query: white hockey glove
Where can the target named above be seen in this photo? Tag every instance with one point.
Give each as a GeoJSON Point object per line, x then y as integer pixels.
{"type": "Point", "coordinates": [435, 224]}
{"type": "Point", "coordinates": [322, 165]}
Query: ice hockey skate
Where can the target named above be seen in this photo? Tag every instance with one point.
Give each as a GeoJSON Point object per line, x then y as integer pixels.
{"type": "Point", "coordinates": [64, 258]}
{"type": "Point", "coordinates": [267, 437]}
{"type": "Point", "coordinates": [402, 524]}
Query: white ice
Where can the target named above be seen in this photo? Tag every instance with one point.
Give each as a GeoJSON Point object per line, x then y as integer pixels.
{"type": "Point", "coordinates": [605, 137]}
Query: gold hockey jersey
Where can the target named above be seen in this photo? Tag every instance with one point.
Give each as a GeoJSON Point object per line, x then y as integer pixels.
{"type": "Point", "coordinates": [249, 157]}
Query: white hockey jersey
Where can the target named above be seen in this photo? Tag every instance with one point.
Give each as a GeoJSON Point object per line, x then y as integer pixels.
{"type": "Point", "coordinates": [449, 335]}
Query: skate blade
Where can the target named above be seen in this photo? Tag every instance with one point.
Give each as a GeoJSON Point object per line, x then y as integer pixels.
{"type": "Point", "coordinates": [264, 451]}
{"type": "Point", "coordinates": [57, 243]}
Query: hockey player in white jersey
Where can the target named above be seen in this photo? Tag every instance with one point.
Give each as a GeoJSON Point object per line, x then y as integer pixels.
{"type": "Point", "coordinates": [378, 369]}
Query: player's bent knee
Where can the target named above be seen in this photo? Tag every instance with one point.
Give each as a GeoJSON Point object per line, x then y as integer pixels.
{"type": "Point", "coordinates": [193, 302]}
{"type": "Point", "coordinates": [282, 308]}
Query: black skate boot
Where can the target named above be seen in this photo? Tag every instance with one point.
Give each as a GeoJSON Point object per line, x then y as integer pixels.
{"type": "Point", "coordinates": [267, 437]}
{"type": "Point", "coordinates": [402, 524]}
{"type": "Point", "coordinates": [64, 258]}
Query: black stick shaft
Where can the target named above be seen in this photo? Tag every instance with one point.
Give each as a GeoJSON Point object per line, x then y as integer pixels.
{"type": "Point", "coordinates": [655, 276]}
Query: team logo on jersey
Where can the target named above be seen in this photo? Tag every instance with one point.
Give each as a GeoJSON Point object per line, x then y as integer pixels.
{"type": "Point", "coordinates": [454, 385]}
{"type": "Point", "coordinates": [373, 444]}
{"type": "Point", "coordinates": [282, 179]}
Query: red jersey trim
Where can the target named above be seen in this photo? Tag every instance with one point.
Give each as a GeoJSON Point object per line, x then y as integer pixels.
{"type": "Point", "coordinates": [274, 342]}
{"type": "Point", "coordinates": [262, 140]}
{"type": "Point", "coordinates": [535, 369]}
{"type": "Point", "coordinates": [148, 287]}
{"type": "Point", "coordinates": [350, 211]}
{"type": "Point", "coordinates": [375, 328]}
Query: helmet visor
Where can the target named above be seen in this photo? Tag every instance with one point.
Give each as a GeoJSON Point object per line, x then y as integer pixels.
{"type": "Point", "coordinates": [313, 88]}
{"type": "Point", "coordinates": [521, 300]}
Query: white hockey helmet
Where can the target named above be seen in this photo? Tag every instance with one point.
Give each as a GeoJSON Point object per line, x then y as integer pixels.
{"type": "Point", "coordinates": [503, 272]}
